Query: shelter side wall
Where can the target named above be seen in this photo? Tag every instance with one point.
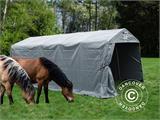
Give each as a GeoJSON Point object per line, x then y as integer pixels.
{"type": "Point", "coordinates": [107, 84]}
{"type": "Point", "coordinates": [86, 67]}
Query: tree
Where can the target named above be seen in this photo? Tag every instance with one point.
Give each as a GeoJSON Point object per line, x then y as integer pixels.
{"type": "Point", "coordinates": [87, 15]}
{"type": "Point", "coordinates": [107, 15]}
{"type": "Point", "coordinates": [5, 11]}
{"type": "Point", "coordinates": [142, 19]}
{"type": "Point", "coordinates": [26, 18]}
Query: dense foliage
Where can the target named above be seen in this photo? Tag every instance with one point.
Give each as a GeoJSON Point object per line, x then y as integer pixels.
{"type": "Point", "coordinates": [87, 15]}
{"type": "Point", "coordinates": [25, 18]}
{"type": "Point", "coordinates": [142, 19]}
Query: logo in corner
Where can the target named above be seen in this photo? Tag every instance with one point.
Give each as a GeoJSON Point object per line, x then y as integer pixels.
{"type": "Point", "coordinates": [132, 95]}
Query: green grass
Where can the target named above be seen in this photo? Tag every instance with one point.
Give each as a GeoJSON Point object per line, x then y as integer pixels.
{"type": "Point", "coordinates": [85, 107]}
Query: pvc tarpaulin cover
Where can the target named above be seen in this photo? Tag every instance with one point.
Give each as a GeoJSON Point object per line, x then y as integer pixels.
{"type": "Point", "coordinates": [84, 57]}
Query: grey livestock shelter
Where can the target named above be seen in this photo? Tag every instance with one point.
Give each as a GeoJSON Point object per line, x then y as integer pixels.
{"type": "Point", "coordinates": [93, 61]}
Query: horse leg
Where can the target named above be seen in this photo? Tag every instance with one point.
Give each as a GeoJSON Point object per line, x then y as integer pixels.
{"type": "Point", "coordinates": [12, 86]}
{"type": "Point", "coordinates": [8, 87]}
{"type": "Point", "coordinates": [39, 91]}
{"type": "Point", "coordinates": [45, 84]}
{"type": "Point", "coordinates": [2, 90]}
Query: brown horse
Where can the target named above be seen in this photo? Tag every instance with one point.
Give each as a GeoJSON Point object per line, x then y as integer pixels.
{"type": "Point", "coordinates": [11, 72]}
{"type": "Point", "coordinates": [42, 70]}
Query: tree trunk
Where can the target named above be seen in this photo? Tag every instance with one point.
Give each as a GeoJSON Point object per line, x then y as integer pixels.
{"type": "Point", "coordinates": [96, 15]}
{"type": "Point", "coordinates": [5, 11]}
{"type": "Point", "coordinates": [89, 17]}
{"type": "Point", "coordinates": [109, 21]}
{"type": "Point", "coordinates": [63, 21]}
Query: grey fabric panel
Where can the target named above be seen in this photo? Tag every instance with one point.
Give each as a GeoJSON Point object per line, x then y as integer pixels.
{"type": "Point", "coordinates": [124, 36]}
{"type": "Point", "coordinates": [93, 39]}
{"type": "Point", "coordinates": [82, 65]}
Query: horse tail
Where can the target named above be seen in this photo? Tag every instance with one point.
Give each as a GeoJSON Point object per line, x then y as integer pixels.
{"type": "Point", "coordinates": [16, 73]}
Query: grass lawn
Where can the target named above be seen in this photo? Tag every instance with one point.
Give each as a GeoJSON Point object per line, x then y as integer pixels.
{"type": "Point", "coordinates": [85, 107]}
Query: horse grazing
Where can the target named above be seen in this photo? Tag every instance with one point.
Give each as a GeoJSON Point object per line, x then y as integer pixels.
{"type": "Point", "coordinates": [11, 72]}
{"type": "Point", "coordinates": [42, 71]}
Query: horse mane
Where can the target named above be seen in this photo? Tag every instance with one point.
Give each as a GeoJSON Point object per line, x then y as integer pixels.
{"type": "Point", "coordinates": [55, 73]}
{"type": "Point", "coordinates": [16, 73]}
